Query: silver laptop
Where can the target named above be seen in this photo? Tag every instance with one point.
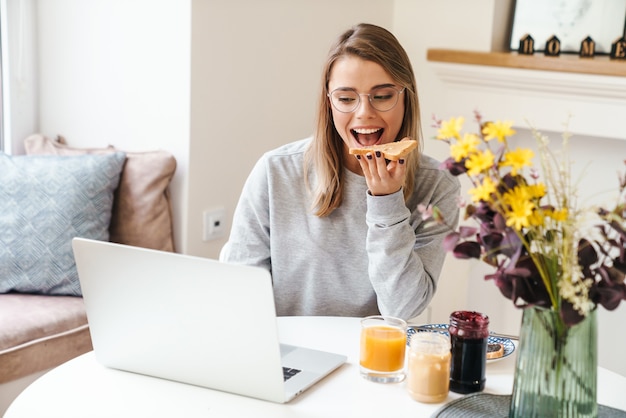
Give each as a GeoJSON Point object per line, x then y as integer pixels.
{"type": "Point", "coordinates": [193, 320]}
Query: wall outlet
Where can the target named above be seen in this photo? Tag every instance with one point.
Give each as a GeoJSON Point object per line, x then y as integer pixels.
{"type": "Point", "coordinates": [213, 224]}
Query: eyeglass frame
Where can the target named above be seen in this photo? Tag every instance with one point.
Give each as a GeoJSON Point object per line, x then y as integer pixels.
{"type": "Point", "coordinates": [369, 98]}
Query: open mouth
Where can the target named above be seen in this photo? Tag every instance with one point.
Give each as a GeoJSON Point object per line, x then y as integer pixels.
{"type": "Point", "coordinates": [367, 137]}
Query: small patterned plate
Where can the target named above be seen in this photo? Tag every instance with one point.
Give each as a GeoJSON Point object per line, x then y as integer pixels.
{"type": "Point", "coordinates": [508, 345]}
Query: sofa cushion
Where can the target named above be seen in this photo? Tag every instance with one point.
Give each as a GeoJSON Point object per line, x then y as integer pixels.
{"type": "Point", "coordinates": [142, 213]}
{"type": "Point", "coordinates": [27, 318]}
{"type": "Point", "coordinates": [39, 332]}
{"type": "Point", "coordinates": [45, 201]}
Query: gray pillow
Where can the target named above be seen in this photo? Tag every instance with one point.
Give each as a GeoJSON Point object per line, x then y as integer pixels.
{"type": "Point", "coordinates": [45, 201]}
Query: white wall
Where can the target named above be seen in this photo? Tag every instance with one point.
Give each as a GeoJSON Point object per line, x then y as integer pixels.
{"type": "Point", "coordinates": [256, 68]}
{"type": "Point", "coordinates": [118, 72]}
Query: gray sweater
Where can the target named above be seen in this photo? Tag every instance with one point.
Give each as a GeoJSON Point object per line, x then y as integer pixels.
{"type": "Point", "coordinates": [372, 255]}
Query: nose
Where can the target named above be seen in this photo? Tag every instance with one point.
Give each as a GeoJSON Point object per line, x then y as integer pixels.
{"type": "Point", "coordinates": [364, 107]}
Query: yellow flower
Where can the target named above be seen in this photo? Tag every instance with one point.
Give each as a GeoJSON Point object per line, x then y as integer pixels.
{"type": "Point", "coordinates": [559, 215]}
{"type": "Point", "coordinates": [479, 162]}
{"type": "Point", "coordinates": [451, 129]}
{"type": "Point", "coordinates": [536, 219]}
{"type": "Point", "coordinates": [484, 191]}
{"type": "Point", "coordinates": [518, 159]}
{"type": "Point", "coordinates": [498, 130]}
{"type": "Point", "coordinates": [519, 214]}
{"type": "Point", "coordinates": [537, 191]}
{"type": "Point", "coordinates": [464, 147]}
{"type": "Point", "coordinates": [520, 208]}
{"type": "Point", "coordinates": [518, 193]}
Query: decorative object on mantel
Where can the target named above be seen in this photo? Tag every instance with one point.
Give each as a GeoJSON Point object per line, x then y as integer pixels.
{"type": "Point", "coordinates": [553, 47]}
{"type": "Point", "coordinates": [618, 49]}
{"type": "Point", "coordinates": [587, 48]}
{"type": "Point", "coordinates": [571, 21]}
{"type": "Point", "coordinates": [553, 259]}
{"type": "Point", "coordinates": [526, 45]}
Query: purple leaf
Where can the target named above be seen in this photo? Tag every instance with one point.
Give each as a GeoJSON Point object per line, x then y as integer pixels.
{"type": "Point", "coordinates": [467, 231]}
{"type": "Point", "coordinates": [484, 213]}
{"type": "Point", "coordinates": [570, 315]}
{"type": "Point", "coordinates": [504, 283]}
{"type": "Point", "coordinates": [455, 168]}
{"type": "Point", "coordinates": [587, 255]}
{"type": "Point", "coordinates": [468, 249]}
{"type": "Point", "coordinates": [450, 241]}
{"type": "Point", "coordinates": [499, 222]}
{"type": "Point", "coordinates": [511, 244]}
{"type": "Point", "coordinates": [609, 296]}
{"type": "Point", "coordinates": [491, 241]}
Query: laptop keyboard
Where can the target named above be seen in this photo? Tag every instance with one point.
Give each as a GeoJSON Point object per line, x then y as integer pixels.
{"type": "Point", "coordinates": [289, 373]}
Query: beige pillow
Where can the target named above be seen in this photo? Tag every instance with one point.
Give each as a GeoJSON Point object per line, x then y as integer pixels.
{"type": "Point", "coordinates": [142, 213]}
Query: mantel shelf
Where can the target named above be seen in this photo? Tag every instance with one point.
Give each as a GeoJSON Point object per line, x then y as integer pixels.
{"type": "Point", "coordinates": [599, 65]}
{"type": "Point", "coordinates": [540, 89]}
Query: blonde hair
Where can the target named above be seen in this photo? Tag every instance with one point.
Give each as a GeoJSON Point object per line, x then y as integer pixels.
{"type": "Point", "coordinates": [325, 155]}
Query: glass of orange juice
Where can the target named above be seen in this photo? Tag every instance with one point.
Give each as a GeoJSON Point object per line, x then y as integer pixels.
{"type": "Point", "coordinates": [383, 346]}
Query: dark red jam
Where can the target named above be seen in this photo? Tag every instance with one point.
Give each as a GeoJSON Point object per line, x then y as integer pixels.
{"type": "Point", "coordinates": [468, 345]}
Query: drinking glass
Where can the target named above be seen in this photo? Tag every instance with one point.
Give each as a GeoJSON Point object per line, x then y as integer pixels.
{"type": "Point", "coordinates": [383, 346]}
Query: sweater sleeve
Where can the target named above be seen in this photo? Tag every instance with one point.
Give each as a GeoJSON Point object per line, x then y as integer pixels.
{"type": "Point", "coordinates": [405, 255]}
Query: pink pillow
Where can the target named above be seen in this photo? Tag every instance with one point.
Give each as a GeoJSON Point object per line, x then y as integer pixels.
{"type": "Point", "coordinates": [142, 212]}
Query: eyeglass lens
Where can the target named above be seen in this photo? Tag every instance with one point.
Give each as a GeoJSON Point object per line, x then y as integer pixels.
{"type": "Point", "coordinates": [381, 99]}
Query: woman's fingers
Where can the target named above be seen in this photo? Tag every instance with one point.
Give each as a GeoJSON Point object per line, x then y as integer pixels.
{"type": "Point", "coordinates": [382, 177]}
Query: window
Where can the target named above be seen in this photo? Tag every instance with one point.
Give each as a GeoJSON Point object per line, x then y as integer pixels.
{"type": "Point", "coordinates": [2, 119]}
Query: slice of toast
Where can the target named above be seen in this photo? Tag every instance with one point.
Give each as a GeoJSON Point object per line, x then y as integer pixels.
{"type": "Point", "coordinates": [391, 151]}
{"type": "Point", "coordinates": [495, 350]}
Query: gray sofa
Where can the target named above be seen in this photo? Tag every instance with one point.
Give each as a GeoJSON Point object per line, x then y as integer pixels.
{"type": "Point", "coordinates": [42, 318]}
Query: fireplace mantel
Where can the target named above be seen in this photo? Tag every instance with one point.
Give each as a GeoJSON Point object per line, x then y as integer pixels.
{"type": "Point", "coordinates": [542, 92]}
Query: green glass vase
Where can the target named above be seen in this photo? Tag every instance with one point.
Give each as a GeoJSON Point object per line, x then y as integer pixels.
{"type": "Point", "coordinates": [556, 369]}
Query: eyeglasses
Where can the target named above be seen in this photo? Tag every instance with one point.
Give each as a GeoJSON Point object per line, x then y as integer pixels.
{"type": "Point", "coordinates": [347, 100]}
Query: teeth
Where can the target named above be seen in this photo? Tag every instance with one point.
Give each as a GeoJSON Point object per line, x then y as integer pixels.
{"type": "Point", "coordinates": [366, 131]}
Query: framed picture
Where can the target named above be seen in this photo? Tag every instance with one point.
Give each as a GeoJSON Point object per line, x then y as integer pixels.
{"type": "Point", "coordinates": [571, 21]}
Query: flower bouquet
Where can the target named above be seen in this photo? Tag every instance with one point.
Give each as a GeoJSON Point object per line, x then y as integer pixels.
{"type": "Point", "coordinates": [548, 255]}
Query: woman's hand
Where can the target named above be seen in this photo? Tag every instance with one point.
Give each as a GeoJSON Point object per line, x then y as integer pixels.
{"type": "Point", "coordinates": [382, 177]}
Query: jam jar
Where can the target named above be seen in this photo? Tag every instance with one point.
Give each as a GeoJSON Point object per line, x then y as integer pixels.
{"type": "Point", "coordinates": [469, 332]}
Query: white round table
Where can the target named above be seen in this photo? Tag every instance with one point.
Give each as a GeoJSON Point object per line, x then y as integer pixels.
{"type": "Point", "coordinates": [84, 388]}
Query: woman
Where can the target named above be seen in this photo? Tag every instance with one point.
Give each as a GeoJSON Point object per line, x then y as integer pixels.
{"type": "Point", "coordinates": [342, 235]}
